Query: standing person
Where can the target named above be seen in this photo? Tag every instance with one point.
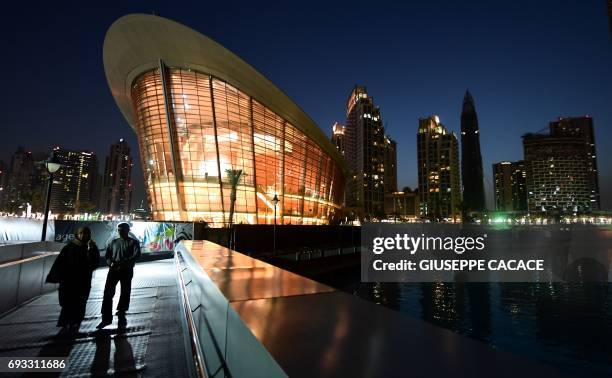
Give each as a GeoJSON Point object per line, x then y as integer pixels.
{"type": "Point", "coordinates": [73, 269]}
{"type": "Point", "coordinates": [121, 255]}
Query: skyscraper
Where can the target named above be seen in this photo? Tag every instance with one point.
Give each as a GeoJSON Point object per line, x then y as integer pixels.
{"type": "Point", "coordinates": [510, 186]}
{"type": "Point", "coordinates": [471, 159]}
{"type": "Point", "coordinates": [25, 180]}
{"type": "Point", "coordinates": [338, 136]}
{"type": "Point", "coordinates": [390, 165]}
{"type": "Point", "coordinates": [116, 196]}
{"type": "Point", "coordinates": [74, 184]}
{"type": "Point", "coordinates": [558, 177]}
{"type": "Point", "coordinates": [582, 128]}
{"type": "Point", "coordinates": [439, 186]}
{"type": "Point", "coordinates": [365, 154]}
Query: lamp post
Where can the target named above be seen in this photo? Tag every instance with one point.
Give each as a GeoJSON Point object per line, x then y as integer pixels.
{"type": "Point", "coordinates": [275, 201]}
{"type": "Point", "coordinates": [52, 165]}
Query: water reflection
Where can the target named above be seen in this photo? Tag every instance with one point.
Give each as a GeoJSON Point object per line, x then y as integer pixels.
{"type": "Point", "coordinates": [565, 324]}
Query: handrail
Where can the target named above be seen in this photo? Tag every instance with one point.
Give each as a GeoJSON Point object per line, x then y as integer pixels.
{"type": "Point", "coordinates": [21, 261]}
{"type": "Point", "coordinates": [196, 350]}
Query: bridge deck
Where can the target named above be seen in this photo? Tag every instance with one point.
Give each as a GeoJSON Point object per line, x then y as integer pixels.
{"type": "Point", "coordinates": [152, 344]}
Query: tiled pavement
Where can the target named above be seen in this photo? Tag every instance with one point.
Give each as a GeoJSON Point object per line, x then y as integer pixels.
{"type": "Point", "coordinates": [151, 346]}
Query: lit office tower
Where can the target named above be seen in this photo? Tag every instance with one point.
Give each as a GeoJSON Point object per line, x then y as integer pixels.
{"type": "Point", "coordinates": [471, 159]}
{"type": "Point", "coordinates": [510, 186]}
{"type": "Point", "coordinates": [116, 196]}
{"type": "Point", "coordinates": [19, 180]}
{"type": "Point", "coordinates": [75, 183]}
{"type": "Point", "coordinates": [338, 136]}
{"type": "Point", "coordinates": [582, 127]}
{"type": "Point", "coordinates": [390, 165]}
{"type": "Point", "coordinates": [558, 176]}
{"type": "Point", "coordinates": [439, 186]}
{"type": "Point", "coordinates": [24, 178]}
{"type": "Point", "coordinates": [365, 154]}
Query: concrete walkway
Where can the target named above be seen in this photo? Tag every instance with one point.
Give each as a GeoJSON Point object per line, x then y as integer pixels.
{"type": "Point", "coordinates": [151, 346]}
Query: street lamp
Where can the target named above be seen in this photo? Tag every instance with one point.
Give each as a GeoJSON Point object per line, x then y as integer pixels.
{"type": "Point", "coordinates": [52, 165]}
{"type": "Point", "coordinates": [275, 201]}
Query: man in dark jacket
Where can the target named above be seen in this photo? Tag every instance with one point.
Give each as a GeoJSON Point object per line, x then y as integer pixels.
{"type": "Point", "coordinates": [73, 269]}
{"type": "Point", "coordinates": [121, 255]}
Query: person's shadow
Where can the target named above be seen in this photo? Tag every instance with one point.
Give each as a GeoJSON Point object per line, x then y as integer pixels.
{"type": "Point", "coordinates": [123, 358]}
{"type": "Point", "coordinates": [59, 345]}
{"type": "Point", "coordinates": [100, 364]}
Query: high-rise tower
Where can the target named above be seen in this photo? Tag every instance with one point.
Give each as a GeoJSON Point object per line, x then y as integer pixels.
{"type": "Point", "coordinates": [439, 185]}
{"type": "Point", "coordinates": [365, 154]}
{"type": "Point", "coordinates": [561, 168]}
{"type": "Point", "coordinates": [390, 165]}
{"type": "Point", "coordinates": [116, 194]}
{"type": "Point", "coordinates": [338, 136]}
{"type": "Point", "coordinates": [510, 186]}
{"type": "Point", "coordinates": [582, 127]}
{"type": "Point", "coordinates": [471, 159]}
{"type": "Point", "coordinates": [74, 184]}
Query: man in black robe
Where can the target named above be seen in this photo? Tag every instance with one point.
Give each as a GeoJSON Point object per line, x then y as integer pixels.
{"type": "Point", "coordinates": [73, 269]}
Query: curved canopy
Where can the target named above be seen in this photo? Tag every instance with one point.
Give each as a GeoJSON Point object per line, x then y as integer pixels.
{"type": "Point", "coordinates": [135, 43]}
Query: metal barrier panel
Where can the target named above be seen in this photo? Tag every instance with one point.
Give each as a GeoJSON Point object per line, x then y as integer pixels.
{"type": "Point", "coordinates": [11, 252]}
{"type": "Point", "coordinates": [30, 280]}
{"type": "Point", "coordinates": [48, 263]}
{"type": "Point", "coordinates": [23, 270]}
{"type": "Point", "coordinates": [34, 249]}
{"type": "Point", "coordinates": [9, 278]}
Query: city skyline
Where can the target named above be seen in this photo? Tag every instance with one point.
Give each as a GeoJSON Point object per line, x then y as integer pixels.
{"type": "Point", "coordinates": [520, 87]}
{"type": "Point", "coordinates": [84, 183]}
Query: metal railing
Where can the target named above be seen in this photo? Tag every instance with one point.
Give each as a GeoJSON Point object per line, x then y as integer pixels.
{"type": "Point", "coordinates": [196, 350]}
{"type": "Point", "coordinates": [221, 342]}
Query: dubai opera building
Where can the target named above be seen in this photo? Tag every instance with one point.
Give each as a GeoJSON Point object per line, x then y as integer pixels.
{"type": "Point", "coordinates": [201, 114]}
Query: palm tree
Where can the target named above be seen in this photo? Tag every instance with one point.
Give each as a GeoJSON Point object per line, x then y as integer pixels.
{"type": "Point", "coordinates": [34, 198]}
{"type": "Point", "coordinates": [233, 176]}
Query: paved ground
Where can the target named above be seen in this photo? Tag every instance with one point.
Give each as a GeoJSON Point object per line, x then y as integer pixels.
{"type": "Point", "coordinates": [151, 346]}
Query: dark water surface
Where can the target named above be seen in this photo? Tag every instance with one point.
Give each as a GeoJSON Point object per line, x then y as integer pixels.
{"type": "Point", "coordinates": [565, 325]}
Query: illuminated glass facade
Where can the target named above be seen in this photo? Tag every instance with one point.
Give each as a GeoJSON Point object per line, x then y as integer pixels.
{"type": "Point", "coordinates": [214, 128]}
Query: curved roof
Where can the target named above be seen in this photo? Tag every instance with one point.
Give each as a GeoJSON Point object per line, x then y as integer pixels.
{"type": "Point", "coordinates": [135, 43]}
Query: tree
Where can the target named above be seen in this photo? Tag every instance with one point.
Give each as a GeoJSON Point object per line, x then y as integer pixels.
{"type": "Point", "coordinates": [87, 206]}
{"type": "Point", "coordinates": [34, 198]}
{"type": "Point", "coordinates": [233, 176]}
{"type": "Point", "coordinates": [11, 207]}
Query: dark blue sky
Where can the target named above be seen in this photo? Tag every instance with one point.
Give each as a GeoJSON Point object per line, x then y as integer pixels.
{"type": "Point", "coordinates": [525, 62]}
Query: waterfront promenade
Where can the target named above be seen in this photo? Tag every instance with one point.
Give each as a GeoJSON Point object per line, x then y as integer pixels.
{"type": "Point", "coordinates": [250, 319]}
{"type": "Point", "coordinates": [152, 344]}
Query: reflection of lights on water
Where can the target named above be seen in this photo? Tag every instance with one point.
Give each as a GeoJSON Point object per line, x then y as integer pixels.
{"type": "Point", "coordinates": [514, 309]}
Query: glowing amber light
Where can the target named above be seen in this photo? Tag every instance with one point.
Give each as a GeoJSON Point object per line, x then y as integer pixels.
{"type": "Point", "coordinates": [216, 127]}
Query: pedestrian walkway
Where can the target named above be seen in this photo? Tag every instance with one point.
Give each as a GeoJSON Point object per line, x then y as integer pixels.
{"type": "Point", "coordinates": [151, 346]}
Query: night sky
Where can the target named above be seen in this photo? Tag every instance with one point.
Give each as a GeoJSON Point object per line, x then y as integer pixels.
{"type": "Point", "coordinates": [525, 62]}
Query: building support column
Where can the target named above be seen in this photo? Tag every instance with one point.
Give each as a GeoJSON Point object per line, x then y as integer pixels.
{"type": "Point", "coordinates": [282, 208]}
{"type": "Point", "coordinates": [214, 116]}
{"type": "Point", "coordinates": [254, 161]}
{"type": "Point", "coordinates": [173, 143]}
